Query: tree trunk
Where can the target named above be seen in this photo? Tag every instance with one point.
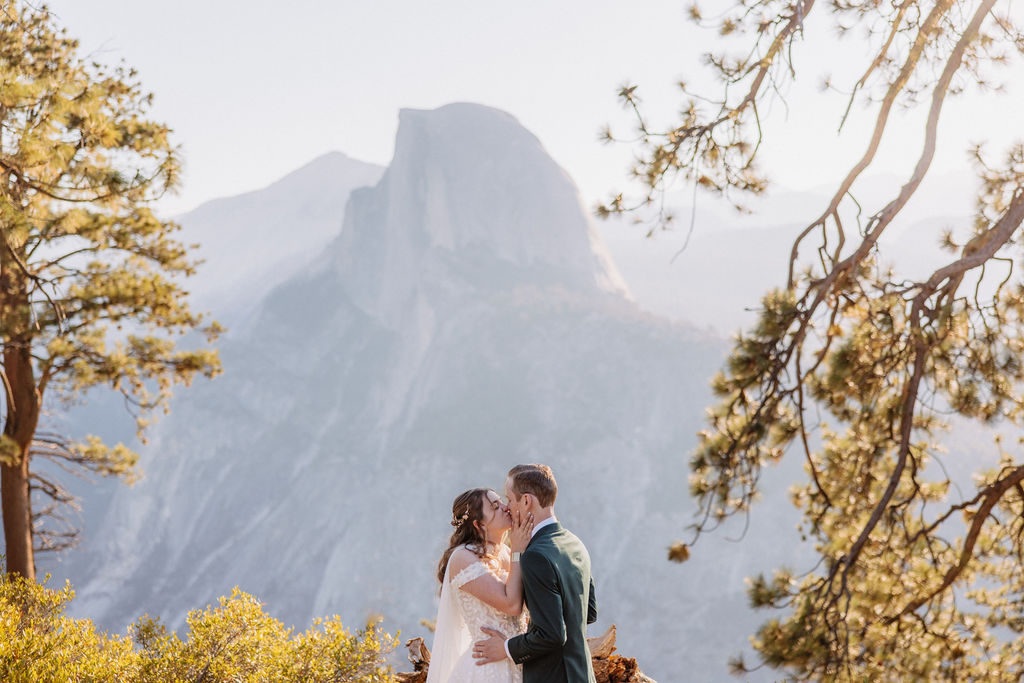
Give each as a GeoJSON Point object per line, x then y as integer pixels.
{"type": "Point", "coordinates": [23, 403]}
{"type": "Point", "coordinates": [17, 513]}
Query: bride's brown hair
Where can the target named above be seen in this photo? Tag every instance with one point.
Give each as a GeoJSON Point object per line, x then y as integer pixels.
{"type": "Point", "coordinates": [467, 509]}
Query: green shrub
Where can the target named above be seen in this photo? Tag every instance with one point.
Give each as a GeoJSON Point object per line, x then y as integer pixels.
{"type": "Point", "coordinates": [235, 641]}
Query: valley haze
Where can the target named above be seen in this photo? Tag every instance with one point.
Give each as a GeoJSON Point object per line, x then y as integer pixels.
{"type": "Point", "coordinates": [399, 335]}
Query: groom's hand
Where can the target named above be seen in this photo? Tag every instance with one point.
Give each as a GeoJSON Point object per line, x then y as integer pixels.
{"type": "Point", "coordinates": [490, 650]}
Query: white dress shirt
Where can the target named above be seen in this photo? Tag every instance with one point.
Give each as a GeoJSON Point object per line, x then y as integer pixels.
{"type": "Point", "coordinates": [543, 523]}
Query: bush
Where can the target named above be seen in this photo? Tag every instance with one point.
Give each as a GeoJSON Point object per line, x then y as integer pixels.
{"type": "Point", "coordinates": [235, 641]}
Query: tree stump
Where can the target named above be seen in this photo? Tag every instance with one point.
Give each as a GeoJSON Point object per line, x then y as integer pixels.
{"type": "Point", "coordinates": [419, 655]}
{"type": "Point", "coordinates": [608, 667]}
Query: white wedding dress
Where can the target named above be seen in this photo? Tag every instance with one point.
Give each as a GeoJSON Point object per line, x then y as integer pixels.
{"type": "Point", "coordinates": [460, 616]}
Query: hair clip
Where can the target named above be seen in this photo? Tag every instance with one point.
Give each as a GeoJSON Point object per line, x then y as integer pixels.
{"type": "Point", "coordinates": [459, 521]}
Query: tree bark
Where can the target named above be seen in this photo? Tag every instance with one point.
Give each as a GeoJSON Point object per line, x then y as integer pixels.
{"type": "Point", "coordinates": [17, 513]}
{"type": "Point", "coordinates": [23, 403]}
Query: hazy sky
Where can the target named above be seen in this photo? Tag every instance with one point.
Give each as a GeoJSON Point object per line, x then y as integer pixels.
{"type": "Point", "coordinates": [254, 89]}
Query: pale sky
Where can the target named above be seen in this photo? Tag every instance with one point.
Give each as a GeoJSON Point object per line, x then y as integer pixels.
{"type": "Point", "coordinates": [255, 89]}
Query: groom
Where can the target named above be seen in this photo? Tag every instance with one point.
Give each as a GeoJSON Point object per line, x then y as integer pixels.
{"type": "Point", "coordinates": [557, 587]}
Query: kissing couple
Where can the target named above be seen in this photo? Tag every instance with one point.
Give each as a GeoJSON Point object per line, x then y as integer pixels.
{"type": "Point", "coordinates": [483, 632]}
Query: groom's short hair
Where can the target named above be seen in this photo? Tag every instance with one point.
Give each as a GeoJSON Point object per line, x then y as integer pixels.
{"type": "Point", "coordinates": [537, 480]}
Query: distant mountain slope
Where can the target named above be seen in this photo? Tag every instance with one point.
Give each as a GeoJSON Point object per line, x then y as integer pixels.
{"type": "Point", "coordinates": [254, 241]}
{"type": "Point", "coordinates": [248, 244]}
{"type": "Point", "coordinates": [715, 274]}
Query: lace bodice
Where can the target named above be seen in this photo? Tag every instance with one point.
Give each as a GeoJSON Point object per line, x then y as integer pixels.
{"type": "Point", "coordinates": [477, 613]}
{"type": "Point", "coordinates": [460, 617]}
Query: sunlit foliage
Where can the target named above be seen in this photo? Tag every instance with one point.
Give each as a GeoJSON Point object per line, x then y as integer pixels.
{"type": "Point", "coordinates": [90, 278]}
{"type": "Point", "coordinates": [917, 579]}
{"type": "Point", "coordinates": [234, 641]}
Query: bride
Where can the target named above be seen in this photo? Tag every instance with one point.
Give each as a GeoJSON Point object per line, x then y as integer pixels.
{"type": "Point", "coordinates": [480, 586]}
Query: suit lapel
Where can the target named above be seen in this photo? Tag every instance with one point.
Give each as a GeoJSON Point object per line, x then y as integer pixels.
{"type": "Point", "coordinates": [544, 532]}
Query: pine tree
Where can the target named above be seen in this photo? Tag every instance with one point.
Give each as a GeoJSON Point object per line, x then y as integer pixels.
{"type": "Point", "coordinates": [917, 581]}
{"type": "Point", "coordinates": [90, 277]}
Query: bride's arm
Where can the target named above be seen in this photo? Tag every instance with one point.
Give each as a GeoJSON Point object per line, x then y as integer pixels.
{"type": "Point", "coordinates": [505, 597]}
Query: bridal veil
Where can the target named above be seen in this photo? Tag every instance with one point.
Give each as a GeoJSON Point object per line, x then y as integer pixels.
{"type": "Point", "coordinates": [451, 635]}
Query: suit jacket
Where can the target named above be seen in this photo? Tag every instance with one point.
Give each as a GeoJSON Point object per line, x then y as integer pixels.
{"type": "Point", "coordinates": [559, 592]}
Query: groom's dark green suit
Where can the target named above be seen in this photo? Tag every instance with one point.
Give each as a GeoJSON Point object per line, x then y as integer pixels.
{"type": "Point", "coordinates": [559, 593]}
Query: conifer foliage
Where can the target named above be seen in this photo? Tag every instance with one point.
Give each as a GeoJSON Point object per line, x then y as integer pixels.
{"type": "Point", "coordinates": [858, 369]}
{"type": "Point", "coordinates": [90, 278]}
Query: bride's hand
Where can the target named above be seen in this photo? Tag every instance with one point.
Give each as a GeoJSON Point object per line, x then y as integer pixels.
{"type": "Point", "coordinates": [519, 536]}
